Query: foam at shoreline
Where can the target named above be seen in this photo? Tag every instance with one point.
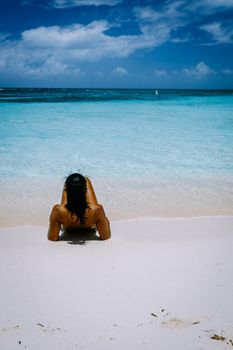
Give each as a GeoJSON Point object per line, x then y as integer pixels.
{"type": "Point", "coordinates": [30, 202]}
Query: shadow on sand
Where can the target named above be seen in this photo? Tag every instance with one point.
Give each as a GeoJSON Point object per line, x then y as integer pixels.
{"type": "Point", "coordinates": [79, 236]}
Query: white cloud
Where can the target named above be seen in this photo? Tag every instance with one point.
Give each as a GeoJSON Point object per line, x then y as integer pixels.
{"type": "Point", "coordinates": [146, 13]}
{"type": "Point", "coordinates": [160, 73]}
{"type": "Point", "coordinates": [210, 6]}
{"type": "Point", "coordinates": [61, 4]}
{"type": "Point", "coordinates": [201, 70]}
{"type": "Point", "coordinates": [175, 16]}
{"type": "Point", "coordinates": [74, 3]}
{"type": "Point", "coordinates": [90, 42]}
{"type": "Point", "coordinates": [2, 64]}
{"type": "Point", "coordinates": [170, 20]}
{"type": "Point", "coordinates": [52, 67]}
{"type": "Point", "coordinates": [172, 9]}
{"type": "Point", "coordinates": [74, 36]}
{"type": "Point", "coordinates": [183, 39]}
{"type": "Point", "coordinates": [120, 71]}
{"type": "Point", "coordinates": [4, 36]}
{"type": "Point", "coordinates": [57, 50]}
{"type": "Point", "coordinates": [167, 20]}
{"type": "Point", "coordinates": [218, 3]}
{"type": "Point", "coordinates": [227, 71]}
{"type": "Point", "coordinates": [218, 33]}
{"type": "Point", "coordinates": [159, 24]}
{"type": "Point", "coordinates": [169, 13]}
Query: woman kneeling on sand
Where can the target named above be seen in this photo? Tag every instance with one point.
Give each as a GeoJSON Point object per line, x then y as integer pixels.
{"type": "Point", "coordinates": [78, 209]}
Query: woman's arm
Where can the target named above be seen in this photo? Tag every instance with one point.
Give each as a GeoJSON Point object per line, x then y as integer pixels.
{"type": "Point", "coordinates": [64, 195]}
{"type": "Point", "coordinates": [102, 223]}
{"type": "Point", "coordinates": [90, 194]}
{"type": "Point", "coordinates": [55, 225]}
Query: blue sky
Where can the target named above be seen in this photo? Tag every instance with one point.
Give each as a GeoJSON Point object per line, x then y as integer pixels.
{"type": "Point", "coordinates": [116, 43]}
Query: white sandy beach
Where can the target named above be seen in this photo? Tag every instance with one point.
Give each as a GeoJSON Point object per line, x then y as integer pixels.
{"type": "Point", "coordinates": [156, 284]}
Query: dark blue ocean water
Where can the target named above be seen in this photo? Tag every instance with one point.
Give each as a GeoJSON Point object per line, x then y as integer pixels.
{"type": "Point", "coordinates": [78, 95]}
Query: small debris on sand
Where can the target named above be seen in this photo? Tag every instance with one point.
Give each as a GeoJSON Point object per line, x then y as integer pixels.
{"type": "Point", "coordinates": [221, 338]}
{"type": "Point", "coordinates": [218, 337]}
{"type": "Point", "coordinates": [19, 342]}
{"type": "Point", "coordinates": [152, 314]}
{"type": "Point", "coordinates": [40, 324]}
{"type": "Point", "coordinates": [196, 322]}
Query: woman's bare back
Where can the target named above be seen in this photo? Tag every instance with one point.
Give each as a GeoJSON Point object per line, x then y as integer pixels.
{"type": "Point", "coordinates": [94, 216]}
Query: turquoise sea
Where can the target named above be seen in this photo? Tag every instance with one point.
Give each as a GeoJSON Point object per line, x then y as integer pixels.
{"type": "Point", "coordinates": [148, 152]}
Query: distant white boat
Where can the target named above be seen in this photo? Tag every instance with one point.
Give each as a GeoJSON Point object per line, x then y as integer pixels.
{"type": "Point", "coordinates": [156, 92]}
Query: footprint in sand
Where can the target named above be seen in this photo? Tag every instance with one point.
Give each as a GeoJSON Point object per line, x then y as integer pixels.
{"type": "Point", "coordinates": [10, 328]}
{"type": "Point", "coordinates": [177, 323]}
{"type": "Point", "coordinates": [174, 322]}
{"type": "Point", "coordinates": [50, 330]}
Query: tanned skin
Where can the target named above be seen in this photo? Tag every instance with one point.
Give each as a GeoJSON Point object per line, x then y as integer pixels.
{"type": "Point", "coordinates": [94, 216]}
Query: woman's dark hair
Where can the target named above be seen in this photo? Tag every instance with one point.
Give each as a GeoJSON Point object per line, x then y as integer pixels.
{"type": "Point", "coordinates": [76, 188]}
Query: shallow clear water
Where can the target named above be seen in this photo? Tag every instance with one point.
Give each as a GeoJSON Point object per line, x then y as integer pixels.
{"type": "Point", "coordinates": [119, 137]}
